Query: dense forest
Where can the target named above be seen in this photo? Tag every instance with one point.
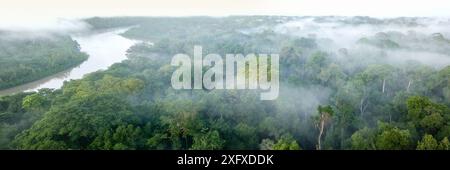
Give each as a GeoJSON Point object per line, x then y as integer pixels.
{"type": "Point", "coordinates": [27, 59]}
{"type": "Point", "coordinates": [346, 83]}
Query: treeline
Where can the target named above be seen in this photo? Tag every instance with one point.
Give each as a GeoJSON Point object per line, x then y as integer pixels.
{"type": "Point", "coordinates": [25, 59]}
{"type": "Point", "coordinates": [352, 98]}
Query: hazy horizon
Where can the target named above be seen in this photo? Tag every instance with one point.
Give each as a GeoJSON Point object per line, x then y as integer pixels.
{"type": "Point", "coordinates": [47, 14]}
{"type": "Point", "coordinates": [83, 8]}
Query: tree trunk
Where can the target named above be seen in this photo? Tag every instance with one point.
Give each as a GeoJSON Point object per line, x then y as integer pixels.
{"type": "Point", "coordinates": [409, 85]}
{"type": "Point", "coordinates": [361, 106]}
{"type": "Point", "coordinates": [322, 125]}
{"type": "Point", "coordinates": [384, 84]}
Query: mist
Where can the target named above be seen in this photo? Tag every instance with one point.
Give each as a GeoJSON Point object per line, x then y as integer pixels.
{"type": "Point", "coordinates": [419, 39]}
{"type": "Point", "coordinates": [40, 27]}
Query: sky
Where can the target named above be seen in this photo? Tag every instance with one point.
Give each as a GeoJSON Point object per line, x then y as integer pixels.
{"type": "Point", "coordinates": [17, 12]}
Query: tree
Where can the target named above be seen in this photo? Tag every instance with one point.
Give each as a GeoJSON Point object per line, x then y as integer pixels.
{"type": "Point", "coordinates": [357, 92]}
{"type": "Point", "coordinates": [427, 143]}
{"type": "Point", "coordinates": [379, 73]}
{"type": "Point", "coordinates": [332, 76]}
{"type": "Point", "coordinates": [417, 75]}
{"type": "Point", "coordinates": [266, 144]}
{"type": "Point", "coordinates": [286, 142]}
{"type": "Point", "coordinates": [445, 144]}
{"type": "Point", "coordinates": [76, 124]}
{"type": "Point", "coordinates": [124, 137]}
{"type": "Point", "coordinates": [363, 139]}
{"type": "Point", "coordinates": [181, 122]}
{"type": "Point", "coordinates": [38, 102]}
{"type": "Point", "coordinates": [426, 115]}
{"type": "Point", "coordinates": [158, 141]}
{"type": "Point", "coordinates": [245, 137]}
{"type": "Point", "coordinates": [393, 138]}
{"type": "Point", "coordinates": [345, 120]}
{"type": "Point", "coordinates": [324, 117]}
{"type": "Point", "coordinates": [33, 102]}
{"type": "Point", "coordinates": [432, 123]}
{"type": "Point", "coordinates": [314, 65]}
{"type": "Point", "coordinates": [208, 141]}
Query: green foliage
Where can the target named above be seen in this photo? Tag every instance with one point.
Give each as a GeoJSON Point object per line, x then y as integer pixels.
{"type": "Point", "coordinates": [123, 138]}
{"type": "Point", "coordinates": [84, 118]}
{"type": "Point", "coordinates": [209, 141]}
{"type": "Point", "coordinates": [385, 137]}
{"type": "Point", "coordinates": [426, 115]}
{"type": "Point", "coordinates": [445, 144]}
{"type": "Point", "coordinates": [26, 60]}
{"type": "Point", "coordinates": [286, 142]}
{"type": "Point", "coordinates": [325, 110]}
{"type": "Point", "coordinates": [77, 124]}
{"type": "Point", "coordinates": [393, 138]}
{"type": "Point", "coordinates": [427, 143]}
{"type": "Point", "coordinates": [363, 139]}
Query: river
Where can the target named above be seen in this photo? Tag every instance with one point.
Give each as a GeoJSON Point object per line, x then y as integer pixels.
{"type": "Point", "coordinates": [104, 49]}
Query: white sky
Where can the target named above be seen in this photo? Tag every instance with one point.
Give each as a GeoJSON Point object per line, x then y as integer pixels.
{"type": "Point", "coordinates": [13, 12]}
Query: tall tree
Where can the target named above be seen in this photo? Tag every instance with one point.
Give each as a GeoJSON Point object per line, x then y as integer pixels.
{"type": "Point", "coordinates": [324, 117]}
